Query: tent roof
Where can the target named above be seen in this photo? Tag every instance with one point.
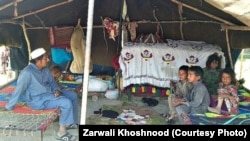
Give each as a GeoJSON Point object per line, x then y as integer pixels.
{"type": "Point", "coordinates": [66, 12]}
{"type": "Point", "coordinates": [200, 20]}
{"type": "Point", "coordinates": [240, 9]}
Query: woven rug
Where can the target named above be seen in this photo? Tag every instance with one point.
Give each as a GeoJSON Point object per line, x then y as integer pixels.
{"type": "Point", "coordinates": [23, 117]}
{"type": "Point", "coordinates": [242, 118]}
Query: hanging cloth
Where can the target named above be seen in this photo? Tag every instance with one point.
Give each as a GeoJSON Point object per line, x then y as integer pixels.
{"type": "Point", "coordinates": [78, 47]}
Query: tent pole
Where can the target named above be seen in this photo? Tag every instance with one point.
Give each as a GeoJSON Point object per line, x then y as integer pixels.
{"type": "Point", "coordinates": [229, 50]}
{"type": "Point", "coordinates": [41, 10]}
{"type": "Point", "coordinates": [9, 4]}
{"type": "Point", "coordinates": [26, 37]}
{"type": "Point", "coordinates": [87, 61]}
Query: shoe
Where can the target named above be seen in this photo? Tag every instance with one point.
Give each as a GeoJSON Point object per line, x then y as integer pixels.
{"type": "Point", "coordinates": [72, 126]}
{"type": "Point", "coordinates": [66, 137]}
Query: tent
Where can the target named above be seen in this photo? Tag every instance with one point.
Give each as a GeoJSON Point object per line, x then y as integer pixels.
{"type": "Point", "coordinates": [25, 24]}
{"type": "Point", "coordinates": [216, 22]}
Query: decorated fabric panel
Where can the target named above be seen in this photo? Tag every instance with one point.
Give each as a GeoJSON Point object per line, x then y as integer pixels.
{"type": "Point", "coordinates": [157, 64]}
{"type": "Point", "coordinates": [145, 90]}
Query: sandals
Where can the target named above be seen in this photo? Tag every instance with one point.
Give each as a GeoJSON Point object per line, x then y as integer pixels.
{"type": "Point", "coordinates": [72, 126]}
{"type": "Point", "coordinates": [168, 117]}
{"type": "Point", "coordinates": [66, 137]}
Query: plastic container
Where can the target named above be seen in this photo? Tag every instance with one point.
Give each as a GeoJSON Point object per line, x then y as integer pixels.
{"type": "Point", "coordinates": [95, 97]}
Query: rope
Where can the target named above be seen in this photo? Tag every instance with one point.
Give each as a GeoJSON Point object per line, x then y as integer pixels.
{"type": "Point", "coordinates": [106, 44]}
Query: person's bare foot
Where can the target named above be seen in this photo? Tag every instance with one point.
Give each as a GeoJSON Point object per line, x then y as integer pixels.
{"type": "Point", "coordinates": [214, 110]}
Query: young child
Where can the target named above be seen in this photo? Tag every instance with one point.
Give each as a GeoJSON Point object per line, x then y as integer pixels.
{"type": "Point", "coordinates": [197, 101]}
{"type": "Point", "coordinates": [211, 76]}
{"type": "Point", "coordinates": [227, 92]}
{"type": "Point", "coordinates": [180, 90]}
{"type": "Point", "coordinates": [56, 72]}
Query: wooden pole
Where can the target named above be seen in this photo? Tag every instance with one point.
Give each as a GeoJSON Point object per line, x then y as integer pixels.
{"type": "Point", "coordinates": [180, 10]}
{"type": "Point", "coordinates": [26, 38]}
{"type": "Point", "coordinates": [138, 22]}
{"type": "Point", "coordinates": [202, 12]}
{"type": "Point", "coordinates": [243, 28]}
{"type": "Point", "coordinates": [41, 10]}
{"type": "Point", "coordinates": [87, 61]}
{"type": "Point", "coordinates": [9, 4]}
{"type": "Point", "coordinates": [229, 50]}
{"type": "Point", "coordinates": [241, 62]}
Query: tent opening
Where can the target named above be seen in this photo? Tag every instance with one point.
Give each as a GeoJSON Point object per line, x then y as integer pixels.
{"type": "Point", "coordinates": [6, 74]}
{"type": "Point", "coordinates": [242, 68]}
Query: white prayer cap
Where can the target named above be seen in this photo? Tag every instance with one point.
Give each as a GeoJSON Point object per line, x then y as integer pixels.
{"type": "Point", "coordinates": [37, 52]}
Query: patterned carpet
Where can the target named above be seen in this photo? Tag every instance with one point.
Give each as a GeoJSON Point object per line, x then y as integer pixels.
{"type": "Point", "coordinates": [22, 117]}
{"type": "Point", "coordinates": [215, 119]}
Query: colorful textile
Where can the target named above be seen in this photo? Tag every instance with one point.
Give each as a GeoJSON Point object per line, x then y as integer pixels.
{"type": "Point", "coordinates": [201, 119]}
{"type": "Point", "coordinates": [243, 117]}
{"type": "Point", "coordinates": [22, 108]}
{"type": "Point", "coordinates": [61, 56]}
{"type": "Point", "coordinates": [60, 36]}
{"type": "Point", "coordinates": [41, 119]}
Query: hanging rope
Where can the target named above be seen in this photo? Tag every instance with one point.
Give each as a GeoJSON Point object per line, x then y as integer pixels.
{"type": "Point", "coordinates": [158, 24]}
{"type": "Point", "coordinates": [106, 44]}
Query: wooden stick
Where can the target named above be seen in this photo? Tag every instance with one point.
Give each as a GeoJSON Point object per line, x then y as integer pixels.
{"type": "Point", "coordinates": [9, 4]}
{"type": "Point", "coordinates": [229, 50]}
{"type": "Point", "coordinates": [243, 28]}
{"type": "Point", "coordinates": [43, 9]}
{"type": "Point", "coordinates": [204, 13]}
{"type": "Point", "coordinates": [223, 27]}
{"type": "Point", "coordinates": [171, 22]}
{"type": "Point", "coordinates": [96, 26]}
{"type": "Point", "coordinates": [13, 22]}
{"type": "Point", "coordinates": [26, 37]}
{"type": "Point", "coordinates": [180, 10]}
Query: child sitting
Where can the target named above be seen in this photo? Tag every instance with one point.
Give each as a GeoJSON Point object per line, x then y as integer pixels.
{"type": "Point", "coordinates": [197, 101]}
{"type": "Point", "coordinates": [227, 92]}
{"type": "Point", "coordinates": [56, 72]}
{"type": "Point", "coordinates": [211, 76]}
{"type": "Point", "coordinates": [180, 90]}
